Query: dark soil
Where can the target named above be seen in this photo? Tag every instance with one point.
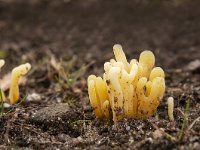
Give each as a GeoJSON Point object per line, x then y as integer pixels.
{"type": "Point", "coordinates": [56, 112]}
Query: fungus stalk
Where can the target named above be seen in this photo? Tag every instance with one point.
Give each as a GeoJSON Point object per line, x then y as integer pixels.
{"type": "Point", "coordinates": [132, 90]}
{"type": "Point", "coordinates": [15, 76]}
{"type": "Point", "coordinates": [170, 102]}
{"type": "Point", "coordinates": [2, 62]}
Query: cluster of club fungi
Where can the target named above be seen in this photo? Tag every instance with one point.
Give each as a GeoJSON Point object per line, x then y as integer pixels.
{"type": "Point", "coordinates": [128, 89]}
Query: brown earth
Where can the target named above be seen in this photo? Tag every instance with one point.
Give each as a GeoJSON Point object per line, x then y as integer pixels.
{"type": "Point", "coordinates": [55, 111]}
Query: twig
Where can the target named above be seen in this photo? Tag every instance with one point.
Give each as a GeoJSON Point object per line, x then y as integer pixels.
{"type": "Point", "coordinates": [24, 98]}
{"type": "Point", "coordinates": [80, 121]}
{"type": "Point", "coordinates": [28, 127]}
{"type": "Point", "coordinates": [140, 143]}
{"type": "Point", "coordinates": [180, 111]}
{"type": "Point", "coordinates": [192, 124]}
{"type": "Point", "coordinates": [167, 135]}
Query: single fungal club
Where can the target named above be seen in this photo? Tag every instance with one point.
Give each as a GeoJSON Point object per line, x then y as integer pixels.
{"type": "Point", "coordinates": [170, 102]}
{"type": "Point", "coordinates": [16, 74]}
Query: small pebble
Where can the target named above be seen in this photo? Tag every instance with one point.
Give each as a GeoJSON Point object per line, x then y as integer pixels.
{"type": "Point", "coordinates": [33, 97]}
{"type": "Point", "coordinates": [157, 134]}
{"type": "Point", "coordinates": [6, 105]}
{"type": "Point", "coordinates": [59, 100]}
{"type": "Point", "coordinates": [128, 128]}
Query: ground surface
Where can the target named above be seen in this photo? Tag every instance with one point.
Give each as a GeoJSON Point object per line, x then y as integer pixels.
{"type": "Point", "coordinates": [80, 34]}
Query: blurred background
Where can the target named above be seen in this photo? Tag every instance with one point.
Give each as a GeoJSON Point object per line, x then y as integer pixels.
{"type": "Point", "coordinates": [88, 29]}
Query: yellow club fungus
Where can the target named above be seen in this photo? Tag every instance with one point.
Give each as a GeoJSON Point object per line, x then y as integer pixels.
{"type": "Point", "coordinates": [170, 102]}
{"type": "Point", "coordinates": [15, 76]}
{"type": "Point", "coordinates": [2, 62]}
{"type": "Point", "coordinates": [2, 98]}
{"type": "Point", "coordinates": [132, 90]}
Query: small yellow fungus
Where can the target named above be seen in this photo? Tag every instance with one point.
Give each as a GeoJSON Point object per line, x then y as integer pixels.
{"type": "Point", "coordinates": [2, 62]}
{"type": "Point", "coordinates": [132, 90]}
{"type": "Point", "coordinates": [170, 102]}
{"type": "Point", "coordinates": [15, 76]}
